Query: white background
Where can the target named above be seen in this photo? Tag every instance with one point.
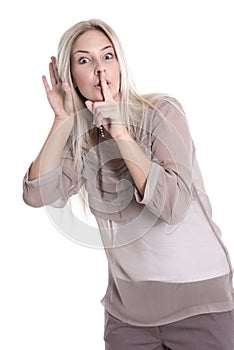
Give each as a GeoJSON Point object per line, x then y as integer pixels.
{"type": "Point", "coordinates": [51, 287]}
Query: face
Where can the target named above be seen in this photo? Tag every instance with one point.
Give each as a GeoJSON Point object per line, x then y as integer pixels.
{"type": "Point", "coordinates": [92, 53]}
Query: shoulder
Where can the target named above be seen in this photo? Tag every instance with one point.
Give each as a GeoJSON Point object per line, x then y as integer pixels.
{"type": "Point", "coordinates": [168, 112]}
{"type": "Point", "coordinates": [163, 102]}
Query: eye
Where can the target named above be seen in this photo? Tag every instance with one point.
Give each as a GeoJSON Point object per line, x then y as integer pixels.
{"type": "Point", "coordinates": [108, 56]}
{"type": "Point", "coordinates": [83, 60]}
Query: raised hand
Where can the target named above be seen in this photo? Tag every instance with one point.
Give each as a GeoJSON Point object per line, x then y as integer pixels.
{"type": "Point", "coordinates": [59, 94]}
{"type": "Point", "coordinates": [107, 113]}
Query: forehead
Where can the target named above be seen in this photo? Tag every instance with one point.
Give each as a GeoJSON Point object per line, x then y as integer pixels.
{"type": "Point", "coordinates": [91, 39]}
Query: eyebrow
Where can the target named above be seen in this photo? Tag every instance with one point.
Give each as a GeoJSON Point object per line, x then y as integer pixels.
{"type": "Point", "coordinates": [84, 51]}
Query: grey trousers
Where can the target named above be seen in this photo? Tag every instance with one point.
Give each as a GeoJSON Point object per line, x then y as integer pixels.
{"type": "Point", "coordinates": [214, 331]}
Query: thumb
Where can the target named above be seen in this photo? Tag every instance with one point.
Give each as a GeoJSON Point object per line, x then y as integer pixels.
{"type": "Point", "coordinates": [68, 96]}
{"type": "Point", "coordinates": [66, 88]}
{"type": "Point", "coordinates": [89, 105]}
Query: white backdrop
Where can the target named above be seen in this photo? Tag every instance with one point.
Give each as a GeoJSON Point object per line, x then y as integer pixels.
{"type": "Point", "coordinates": [51, 287]}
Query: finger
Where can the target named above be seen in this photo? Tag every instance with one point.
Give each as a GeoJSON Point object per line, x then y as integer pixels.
{"type": "Point", "coordinates": [99, 118]}
{"type": "Point", "coordinates": [90, 106]}
{"type": "Point", "coordinates": [107, 95]}
{"type": "Point", "coordinates": [54, 62]}
{"type": "Point", "coordinates": [68, 100]}
{"type": "Point", "coordinates": [52, 75]}
{"type": "Point", "coordinates": [67, 91]}
{"type": "Point", "coordinates": [66, 87]}
{"type": "Point", "coordinates": [46, 85]}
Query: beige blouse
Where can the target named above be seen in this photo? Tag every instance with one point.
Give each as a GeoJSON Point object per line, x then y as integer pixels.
{"type": "Point", "coordinates": [165, 255]}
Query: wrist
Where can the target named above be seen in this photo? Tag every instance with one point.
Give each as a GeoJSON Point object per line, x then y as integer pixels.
{"type": "Point", "coordinates": [62, 116]}
{"type": "Point", "coordinates": [63, 122]}
{"type": "Point", "coordinates": [124, 135]}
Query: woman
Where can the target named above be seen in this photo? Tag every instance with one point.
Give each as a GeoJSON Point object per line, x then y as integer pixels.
{"type": "Point", "coordinates": [170, 276]}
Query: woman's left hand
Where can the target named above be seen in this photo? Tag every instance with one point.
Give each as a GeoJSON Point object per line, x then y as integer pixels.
{"type": "Point", "coordinates": [107, 113]}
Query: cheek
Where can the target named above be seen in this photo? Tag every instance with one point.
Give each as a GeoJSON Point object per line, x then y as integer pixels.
{"type": "Point", "coordinates": [118, 80]}
{"type": "Point", "coordinates": [80, 77]}
{"type": "Point", "coordinates": [117, 73]}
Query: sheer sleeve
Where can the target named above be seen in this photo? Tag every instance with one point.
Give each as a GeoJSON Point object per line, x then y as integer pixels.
{"type": "Point", "coordinates": [55, 187]}
{"type": "Point", "coordinates": [168, 188]}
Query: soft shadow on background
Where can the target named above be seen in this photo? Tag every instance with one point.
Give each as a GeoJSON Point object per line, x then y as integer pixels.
{"type": "Point", "coordinates": [50, 286]}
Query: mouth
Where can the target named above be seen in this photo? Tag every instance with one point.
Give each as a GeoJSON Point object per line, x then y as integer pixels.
{"type": "Point", "coordinates": [98, 84]}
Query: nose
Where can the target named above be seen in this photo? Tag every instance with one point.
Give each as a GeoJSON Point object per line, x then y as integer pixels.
{"type": "Point", "coordinates": [99, 68]}
{"type": "Point", "coordinates": [99, 71]}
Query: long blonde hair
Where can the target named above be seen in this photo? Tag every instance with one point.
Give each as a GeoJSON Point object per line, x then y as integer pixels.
{"type": "Point", "coordinates": [128, 92]}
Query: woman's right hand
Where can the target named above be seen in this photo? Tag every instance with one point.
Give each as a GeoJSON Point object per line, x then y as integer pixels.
{"type": "Point", "coordinates": [59, 94]}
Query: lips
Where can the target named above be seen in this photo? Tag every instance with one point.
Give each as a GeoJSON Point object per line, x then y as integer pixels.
{"type": "Point", "coordinates": [98, 84]}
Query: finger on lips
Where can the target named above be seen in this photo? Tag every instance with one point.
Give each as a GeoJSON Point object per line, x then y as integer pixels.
{"type": "Point", "coordinates": [99, 120]}
{"type": "Point", "coordinates": [105, 88]}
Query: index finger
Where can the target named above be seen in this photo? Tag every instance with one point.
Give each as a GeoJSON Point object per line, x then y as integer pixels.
{"type": "Point", "coordinates": [46, 85]}
{"type": "Point", "coordinates": [107, 95]}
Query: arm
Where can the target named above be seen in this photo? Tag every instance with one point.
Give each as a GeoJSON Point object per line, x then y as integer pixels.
{"type": "Point", "coordinates": [51, 177]}
{"type": "Point", "coordinates": [168, 189]}
{"type": "Point", "coordinates": [137, 162]}
{"type": "Point", "coordinates": [163, 182]}
{"type": "Point", "coordinates": [60, 99]}
{"type": "Point", "coordinates": [55, 187]}
{"type": "Point", "coordinates": [106, 114]}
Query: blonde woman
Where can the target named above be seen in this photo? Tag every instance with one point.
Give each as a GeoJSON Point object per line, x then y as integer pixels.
{"type": "Point", "coordinates": [170, 276]}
